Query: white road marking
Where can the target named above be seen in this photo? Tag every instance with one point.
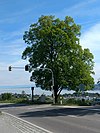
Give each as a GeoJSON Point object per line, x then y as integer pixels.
{"type": "Point", "coordinates": [74, 116]}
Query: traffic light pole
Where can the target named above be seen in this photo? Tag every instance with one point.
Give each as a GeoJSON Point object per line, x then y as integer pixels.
{"type": "Point", "coordinates": [32, 89]}
{"type": "Point", "coordinates": [10, 68]}
{"type": "Point", "coordinates": [27, 68]}
{"type": "Point", "coordinates": [52, 80]}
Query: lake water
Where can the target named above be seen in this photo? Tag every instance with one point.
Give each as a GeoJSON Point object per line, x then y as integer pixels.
{"type": "Point", "coordinates": [20, 88]}
{"type": "Point", "coordinates": [27, 89]}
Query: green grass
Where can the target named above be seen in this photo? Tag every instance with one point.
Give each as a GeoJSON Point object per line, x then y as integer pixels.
{"type": "Point", "coordinates": [14, 100]}
{"type": "Point", "coordinates": [25, 101]}
{"type": "Point", "coordinates": [69, 102]}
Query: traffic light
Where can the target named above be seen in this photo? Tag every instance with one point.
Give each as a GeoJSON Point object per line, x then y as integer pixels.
{"type": "Point", "coordinates": [26, 68]}
{"type": "Point", "coordinates": [9, 68]}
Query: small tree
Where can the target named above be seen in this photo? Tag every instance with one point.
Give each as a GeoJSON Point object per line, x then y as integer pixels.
{"type": "Point", "coordinates": [54, 44]}
{"type": "Point", "coordinates": [23, 94]}
{"type": "Point", "coordinates": [6, 96]}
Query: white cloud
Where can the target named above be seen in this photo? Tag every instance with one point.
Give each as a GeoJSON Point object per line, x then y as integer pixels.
{"type": "Point", "coordinates": [20, 63]}
{"type": "Point", "coordinates": [85, 8]}
{"type": "Point", "coordinates": [14, 16]}
{"type": "Point", "coordinates": [11, 35]}
{"type": "Point", "coordinates": [79, 9]}
{"type": "Point", "coordinates": [97, 71]}
{"type": "Point", "coordinates": [15, 77]}
{"type": "Point", "coordinates": [11, 43]}
{"type": "Point", "coordinates": [91, 39]}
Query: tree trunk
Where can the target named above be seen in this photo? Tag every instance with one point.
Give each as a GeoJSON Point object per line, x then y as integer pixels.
{"type": "Point", "coordinates": [55, 95]}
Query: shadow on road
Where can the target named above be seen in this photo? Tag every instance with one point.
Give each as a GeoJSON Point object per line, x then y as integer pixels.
{"type": "Point", "coordinates": [9, 105]}
{"type": "Point", "coordinates": [52, 112]}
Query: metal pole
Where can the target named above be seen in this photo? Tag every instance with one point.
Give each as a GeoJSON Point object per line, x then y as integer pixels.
{"type": "Point", "coordinates": [32, 88]}
{"type": "Point", "coordinates": [53, 88]}
{"type": "Point", "coordinates": [10, 67]}
{"type": "Point", "coordinates": [52, 81]}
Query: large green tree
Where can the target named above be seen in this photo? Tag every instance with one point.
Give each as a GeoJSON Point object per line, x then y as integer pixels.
{"type": "Point", "coordinates": [54, 44]}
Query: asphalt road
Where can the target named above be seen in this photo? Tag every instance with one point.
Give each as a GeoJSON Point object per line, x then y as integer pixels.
{"type": "Point", "coordinates": [58, 119]}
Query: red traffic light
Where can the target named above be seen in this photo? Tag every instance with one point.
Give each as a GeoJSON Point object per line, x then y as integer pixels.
{"type": "Point", "coordinates": [9, 68]}
{"type": "Point", "coordinates": [26, 68]}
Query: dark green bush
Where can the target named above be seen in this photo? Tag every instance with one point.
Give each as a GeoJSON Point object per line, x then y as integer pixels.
{"type": "Point", "coordinates": [6, 96]}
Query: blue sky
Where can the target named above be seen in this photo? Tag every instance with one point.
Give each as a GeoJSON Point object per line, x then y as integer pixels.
{"type": "Point", "coordinates": [17, 15]}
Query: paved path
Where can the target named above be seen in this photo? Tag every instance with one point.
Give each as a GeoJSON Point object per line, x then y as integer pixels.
{"type": "Point", "coordinates": [12, 124]}
{"type": "Point", "coordinates": [6, 127]}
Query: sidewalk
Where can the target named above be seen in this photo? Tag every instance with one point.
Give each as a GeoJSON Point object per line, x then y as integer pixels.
{"type": "Point", "coordinates": [12, 124]}
{"type": "Point", "coordinates": [6, 127]}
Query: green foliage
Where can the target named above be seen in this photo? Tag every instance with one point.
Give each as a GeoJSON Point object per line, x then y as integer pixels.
{"type": "Point", "coordinates": [6, 96]}
{"type": "Point", "coordinates": [54, 44]}
{"type": "Point", "coordinates": [13, 98]}
{"type": "Point", "coordinates": [77, 102]}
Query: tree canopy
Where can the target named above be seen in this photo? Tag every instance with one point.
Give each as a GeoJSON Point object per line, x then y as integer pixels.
{"type": "Point", "coordinates": [54, 44]}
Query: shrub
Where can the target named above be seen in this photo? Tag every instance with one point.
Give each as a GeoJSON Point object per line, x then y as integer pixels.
{"type": "Point", "coordinates": [6, 96]}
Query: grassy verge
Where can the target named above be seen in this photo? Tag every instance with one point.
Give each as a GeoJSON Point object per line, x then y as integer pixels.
{"type": "Point", "coordinates": [26, 101]}
{"type": "Point", "coordinates": [69, 102]}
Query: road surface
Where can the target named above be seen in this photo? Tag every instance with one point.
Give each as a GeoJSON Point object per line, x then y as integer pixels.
{"type": "Point", "coordinates": [58, 119]}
